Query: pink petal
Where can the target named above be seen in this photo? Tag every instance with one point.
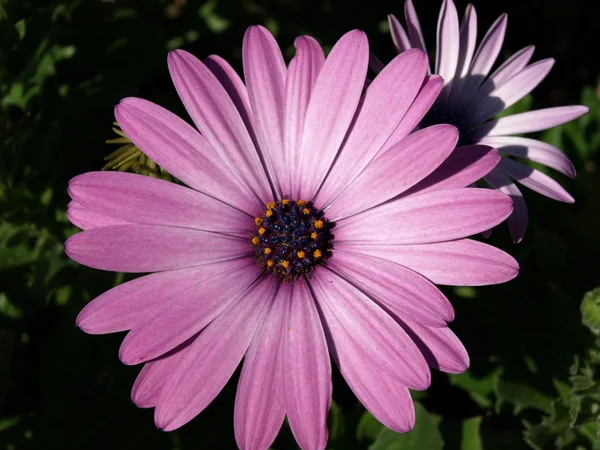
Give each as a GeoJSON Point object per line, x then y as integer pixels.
{"type": "Point", "coordinates": [308, 368]}
{"type": "Point", "coordinates": [440, 346]}
{"type": "Point", "coordinates": [505, 72]}
{"type": "Point", "coordinates": [456, 263]}
{"type": "Point", "coordinates": [85, 219]}
{"type": "Point", "coordinates": [333, 102]}
{"type": "Point", "coordinates": [265, 73]}
{"type": "Point", "coordinates": [151, 248]}
{"type": "Point", "coordinates": [400, 290]}
{"type": "Point", "coordinates": [181, 150]}
{"type": "Point", "coordinates": [236, 89]}
{"type": "Point", "coordinates": [212, 358]}
{"type": "Point", "coordinates": [135, 198]}
{"type": "Point", "coordinates": [425, 218]}
{"type": "Point", "coordinates": [385, 103]}
{"type": "Point", "coordinates": [399, 36]}
{"type": "Point", "coordinates": [464, 166]}
{"type": "Point", "coordinates": [359, 325]}
{"type": "Point", "coordinates": [425, 99]}
{"type": "Point", "coordinates": [448, 44]}
{"type": "Point", "coordinates": [260, 398]}
{"type": "Point", "coordinates": [395, 170]}
{"type": "Point", "coordinates": [533, 150]}
{"type": "Point", "coordinates": [413, 26]}
{"type": "Point", "coordinates": [484, 58]}
{"type": "Point", "coordinates": [530, 121]}
{"type": "Point", "coordinates": [512, 90]}
{"type": "Point", "coordinates": [216, 116]}
{"type": "Point", "coordinates": [517, 221]}
{"type": "Point", "coordinates": [133, 303]}
{"type": "Point", "coordinates": [535, 180]}
{"type": "Point", "coordinates": [183, 316]}
{"type": "Point", "coordinates": [154, 375]}
{"type": "Point", "coordinates": [468, 41]}
{"type": "Point", "coordinates": [301, 76]}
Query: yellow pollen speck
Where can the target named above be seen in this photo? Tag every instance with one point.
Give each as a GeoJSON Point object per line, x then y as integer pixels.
{"type": "Point", "coordinates": [318, 224]}
{"type": "Point", "coordinates": [257, 221]}
{"type": "Point", "coordinates": [269, 213]}
{"type": "Point", "coordinates": [271, 205]}
{"type": "Point", "coordinates": [270, 263]}
{"type": "Point", "coordinates": [255, 240]}
{"type": "Point", "coordinates": [261, 231]}
{"type": "Point", "coordinates": [301, 254]}
{"type": "Point", "coordinates": [285, 264]}
{"type": "Point", "coordinates": [285, 201]}
{"type": "Point", "coordinates": [300, 203]}
{"type": "Point", "coordinates": [314, 235]}
{"type": "Point", "coordinates": [317, 253]}
{"type": "Point", "coordinates": [267, 251]}
{"type": "Point", "coordinates": [306, 211]}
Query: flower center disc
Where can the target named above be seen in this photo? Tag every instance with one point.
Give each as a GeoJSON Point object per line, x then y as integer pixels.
{"type": "Point", "coordinates": [291, 238]}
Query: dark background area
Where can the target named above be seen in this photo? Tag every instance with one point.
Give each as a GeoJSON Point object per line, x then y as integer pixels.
{"type": "Point", "coordinates": [65, 64]}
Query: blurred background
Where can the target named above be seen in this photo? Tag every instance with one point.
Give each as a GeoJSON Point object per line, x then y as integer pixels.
{"type": "Point", "coordinates": [534, 378]}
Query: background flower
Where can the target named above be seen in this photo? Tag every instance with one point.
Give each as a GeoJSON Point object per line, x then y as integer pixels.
{"type": "Point", "coordinates": [473, 94]}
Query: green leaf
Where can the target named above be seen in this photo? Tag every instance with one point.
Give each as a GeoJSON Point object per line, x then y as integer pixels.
{"type": "Point", "coordinates": [479, 389]}
{"type": "Point", "coordinates": [425, 435]}
{"type": "Point", "coordinates": [337, 424]}
{"type": "Point", "coordinates": [471, 439]}
{"type": "Point", "coordinates": [368, 427]}
{"type": "Point", "coordinates": [590, 311]}
{"type": "Point", "coordinates": [520, 395]}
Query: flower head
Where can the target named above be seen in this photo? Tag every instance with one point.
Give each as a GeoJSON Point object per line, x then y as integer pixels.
{"type": "Point", "coordinates": [473, 95]}
{"type": "Point", "coordinates": [300, 232]}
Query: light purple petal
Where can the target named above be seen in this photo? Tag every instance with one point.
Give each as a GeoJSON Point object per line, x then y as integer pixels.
{"type": "Point", "coordinates": [216, 116]}
{"type": "Point", "coordinates": [512, 90]}
{"type": "Point", "coordinates": [432, 217]}
{"type": "Point", "coordinates": [468, 41]}
{"type": "Point", "coordinates": [427, 96]}
{"type": "Point", "coordinates": [85, 219]}
{"type": "Point", "coordinates": [440, 346]}
{"type": "Point", "coordinates": [301, 76]}
{"type": "Point", "coordinates": [505, 72]}
{"type": "Point", "coordinates": [395, 170]}
{"type": "Point", "coordinates": [384, 106]}
{"type": "Point", "coordinates": [181, 150]}
{"type": "Point", "coordinates": [414, 27]}
{"type": "Point", "coordinates": [400, 290]}
{"type": "Point", "coordinates": [139, 199]}
{"type": "Point", "coordinates": [154, 375]}
{"type": "Point", "coordinates": [464, 166]}
{"type": "Point", "coordinates": [181, 317]}
{"type": "Point", "coordinates": [399, 36]}
{"type": "Point", "coordinates": [533, 150]}
{"type": "Point", "coordinates": [236, 89]}
{"type": "Point", "coordinates": [484, 58]}
{"type": "Point", "coordinates": [456, 263]}
{"type": "Point", "coordinates": [535, 180]}
{"type": "Point", "coordinates": [265, 73]}
{"type": "Point", "coordinates": [260, 398]}
{"type": "Point", "coordinates": [333, 102]}
{"type": "Point", "coordinates": [151, 248]}
{"type": "Point", "coordinates": [517, 221]}
{"type": "Point", "coordinates": [448, 45]}
{"type": "Point", "coordinates": [133, 303]}
{"type": "Point", "coordinates": [210, 360]}
{"type": "Point", "coordinates": [530, 121]}
{"type": "Point", "coordinates": [308, 368]}
{"type": "Point", "coordinates": [359, 325]}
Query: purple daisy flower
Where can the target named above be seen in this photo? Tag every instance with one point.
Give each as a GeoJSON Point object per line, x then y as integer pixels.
{"type": "Point", "coordinates": [472, 96]}
{"type": "Point", "coordinates": [300, 234]}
